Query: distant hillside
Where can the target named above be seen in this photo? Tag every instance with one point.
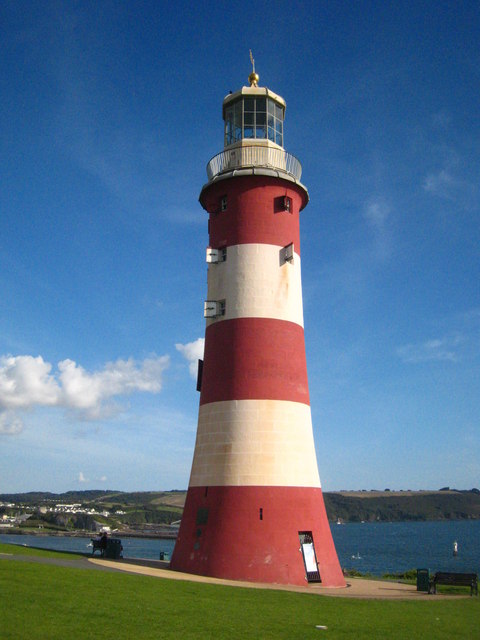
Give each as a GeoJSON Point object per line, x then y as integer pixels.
{"type": "Point", "coordinates": [97, 497]}
{"type": "Point", "coordinates": [390, 506]}
{"type": "Point", "coordinates": [35, 497]}
{"type": "Point", "coordinates": [147, 508]}
{"type": "Point", "coordinates": [141, 513]}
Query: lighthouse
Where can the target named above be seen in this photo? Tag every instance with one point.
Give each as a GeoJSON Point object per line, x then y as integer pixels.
{"type": "Point", "coordinates": [254, 509]}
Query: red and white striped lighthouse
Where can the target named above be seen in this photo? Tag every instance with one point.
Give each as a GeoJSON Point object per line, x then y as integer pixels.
{"type": "Point", "coordinates": [254, 509]}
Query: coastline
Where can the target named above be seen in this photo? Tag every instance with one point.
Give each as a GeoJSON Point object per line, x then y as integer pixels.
{"type": "Point", "coordinates": [369, 548]}
{"type": "Point", "coordinates": [87, 534]}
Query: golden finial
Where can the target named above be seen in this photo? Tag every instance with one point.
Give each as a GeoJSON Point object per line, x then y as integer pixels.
{"type": "Point", "coordinates": [253, 78]}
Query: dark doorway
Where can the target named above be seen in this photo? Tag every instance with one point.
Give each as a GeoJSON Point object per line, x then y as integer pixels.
{"type": "Point", "coordinates": [309, 556]}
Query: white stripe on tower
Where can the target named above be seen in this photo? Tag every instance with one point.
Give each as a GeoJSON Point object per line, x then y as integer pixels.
{"type": "Point", "coordinates": [256, 282]}
{"type": "Point", "coordinates": [255, 443]}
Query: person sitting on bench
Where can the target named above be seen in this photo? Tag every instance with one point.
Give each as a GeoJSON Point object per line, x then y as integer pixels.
{"type": "Point", "coordinates": [103, 542]}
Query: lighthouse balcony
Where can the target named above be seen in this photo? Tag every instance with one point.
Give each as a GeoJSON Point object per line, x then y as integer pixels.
{"type": "Point", "coordinates": [255, 159]}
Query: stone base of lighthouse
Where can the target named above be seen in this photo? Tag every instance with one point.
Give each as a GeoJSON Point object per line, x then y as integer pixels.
{"type": "Point", "coordinates": [257, 534]}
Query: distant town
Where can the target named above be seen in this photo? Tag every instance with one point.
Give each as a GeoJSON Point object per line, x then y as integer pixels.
{"type": "Point", "coordinates": [86, 512]}
{"type": "Point", "coordinates": [28, 511]}
{"type": "Point", "coordinates": [158, 514]}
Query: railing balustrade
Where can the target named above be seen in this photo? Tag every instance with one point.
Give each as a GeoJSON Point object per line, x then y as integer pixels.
{"type": "Point", "coordinates": [254, 156]}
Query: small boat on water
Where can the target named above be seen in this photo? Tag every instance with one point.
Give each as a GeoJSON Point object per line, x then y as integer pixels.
{"type": "Point", "coordinates": [357, 557]}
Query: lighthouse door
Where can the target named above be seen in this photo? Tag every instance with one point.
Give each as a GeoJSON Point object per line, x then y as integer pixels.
{"type": "Point", "coordinates": [309, 556]}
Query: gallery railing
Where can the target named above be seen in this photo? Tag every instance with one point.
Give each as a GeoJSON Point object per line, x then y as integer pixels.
{"type": "Point", "coordinates": [254, 156]}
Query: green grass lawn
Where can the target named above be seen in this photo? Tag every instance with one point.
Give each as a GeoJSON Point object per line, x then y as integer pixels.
{"type": "Point", "coordinates": [50, 602]}
{"type": "Point", "coordinates": [20, 550]}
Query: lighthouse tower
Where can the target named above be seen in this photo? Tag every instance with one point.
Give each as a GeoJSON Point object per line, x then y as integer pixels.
{"type": "Point", "coordinates": [254, 509]}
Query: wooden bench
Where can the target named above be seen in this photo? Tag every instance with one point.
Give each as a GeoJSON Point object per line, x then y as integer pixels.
{"type": "Point", "coordinates": [98, 545]}
{"type": "Point", "coordinates": [455, 579]}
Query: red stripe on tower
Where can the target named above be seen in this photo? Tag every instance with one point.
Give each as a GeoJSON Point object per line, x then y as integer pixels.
{"type": "Point", "coordinates": [254, 508]}
{"type": "Point", "coordinates": [254, 358]}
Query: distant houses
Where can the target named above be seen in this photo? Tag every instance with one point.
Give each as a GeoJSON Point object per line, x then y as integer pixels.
{"type": "Point", "coordinates": [9, 520]}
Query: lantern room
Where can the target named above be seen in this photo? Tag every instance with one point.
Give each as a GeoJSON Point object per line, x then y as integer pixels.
{"type": "Point", "coordinates": [253, 136]}
{"type": "Point", "coordinates": [254, 114]}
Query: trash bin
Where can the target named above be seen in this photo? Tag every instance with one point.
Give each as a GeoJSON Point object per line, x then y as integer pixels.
{"type": "Point", "coordinates": [114, 549]}
{"type": "Point", "coordinates": [163, 555]}
{"type": "Point", "coordinates": [423, 579]}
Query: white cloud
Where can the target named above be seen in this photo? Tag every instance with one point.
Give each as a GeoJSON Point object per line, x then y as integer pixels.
{"type": "Point", "coordinates": [445, 349]}
{"type": "Point", "coordinates": [82, 478]}
{"type": "Point", "coordinates": [440, 184]}
{"type": "Point", "coordinates": [27, 382]}
{"type": "Point", "coordinates": [377, 213]}
{"type": "Point", "coordinates": [10, 424]}
{"type": "Point", "coordinates": [455, 182]}
{"type": "Point", "coordinates": [89, 391]}
{"type": "Point", "coordinates": [192, 352]}
{"type": "Point", "coordinates": [459, 341]}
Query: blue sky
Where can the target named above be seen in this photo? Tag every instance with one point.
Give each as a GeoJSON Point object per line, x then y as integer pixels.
{"type": "Point", "coordinates": [110, 112]}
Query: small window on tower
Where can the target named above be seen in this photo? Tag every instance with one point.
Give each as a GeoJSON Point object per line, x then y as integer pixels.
{"type": "Point", "coordinates": [223, 203]}
{"type": "Point", "coordinates": [286, 254]}
{"type": "Point", "coordinates": [202, 516]}
{"type": "Point", "coordinates": [214, 308]}
{"type": "Point", "coordinates": [210, 309]}
{"type": "Point", "coordinates": [212, 255]}
{"type": "Point", "coordinates": [283, 203]}
{"type": "Point", "coordinates": [216, 255]}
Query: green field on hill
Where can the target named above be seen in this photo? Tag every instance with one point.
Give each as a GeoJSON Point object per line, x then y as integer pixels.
{"type": "Point", "coordinates": [50, 602]}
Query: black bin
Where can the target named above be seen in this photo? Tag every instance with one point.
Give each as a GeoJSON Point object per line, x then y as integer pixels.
{"type": "Point", "coordinates": [423, 579]}
{"type": "Point", "coordinates": [114, 549]}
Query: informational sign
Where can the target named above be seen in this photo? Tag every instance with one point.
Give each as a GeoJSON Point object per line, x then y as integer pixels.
{"type": "Point", "coordinates": [309, 557]}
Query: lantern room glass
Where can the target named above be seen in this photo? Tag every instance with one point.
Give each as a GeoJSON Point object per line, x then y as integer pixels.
{"type": "Point", "coordinates": [254, 117]}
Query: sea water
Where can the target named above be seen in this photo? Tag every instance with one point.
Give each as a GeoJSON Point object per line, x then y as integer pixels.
{"type": "Point", "coordinates": [376, 548]}
{"type": "Point", "coordinates": [146, 548]}
{"type": "Point", "coordinates": [391, 547]}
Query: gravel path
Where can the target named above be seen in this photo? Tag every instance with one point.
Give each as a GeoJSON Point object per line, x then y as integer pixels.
{"type": "Point", "coordinates": [356, 587]}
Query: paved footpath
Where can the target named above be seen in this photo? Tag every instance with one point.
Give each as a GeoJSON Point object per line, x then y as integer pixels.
{"type": "Point", "coordinates": [356, 587]}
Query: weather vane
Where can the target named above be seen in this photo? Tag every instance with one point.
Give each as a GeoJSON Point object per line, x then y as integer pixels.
{"type": "Point", "coordinates": [253, 78]}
